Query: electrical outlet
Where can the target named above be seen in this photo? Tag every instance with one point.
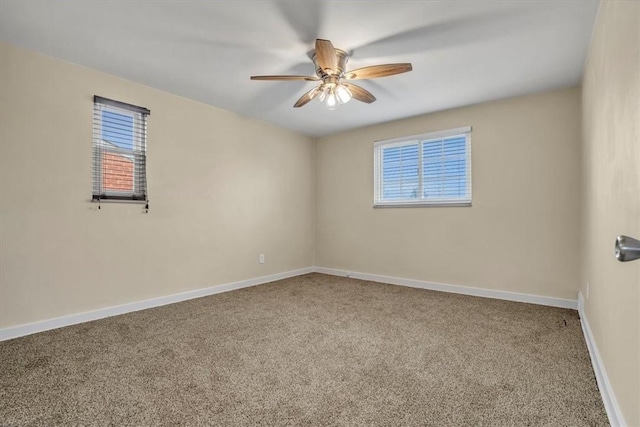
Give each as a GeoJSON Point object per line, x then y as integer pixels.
{"type": "Point", "coordinates": [587, 290]}
{"type": "Point", "coordinates": [261, 259]}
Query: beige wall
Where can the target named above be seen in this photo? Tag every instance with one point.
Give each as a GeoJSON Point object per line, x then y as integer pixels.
{"type": "Point", "coordinates": [222, 189]}
{"type": "Point", "coordinates": [521, 233]}
{"type": "Point", "coordinates": [611, 196]}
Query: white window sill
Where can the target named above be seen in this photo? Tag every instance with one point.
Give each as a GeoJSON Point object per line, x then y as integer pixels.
{"type": "Point", "coordinates": [130, 201]}
{"type": "Point", "coordinates": [421, 204]}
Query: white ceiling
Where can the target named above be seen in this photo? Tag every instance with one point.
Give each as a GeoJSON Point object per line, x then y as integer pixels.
{"type": "Point", "coordinates": [463, 52]}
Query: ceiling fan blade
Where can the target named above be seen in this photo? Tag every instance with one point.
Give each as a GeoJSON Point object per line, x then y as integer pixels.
{"type": "Point", "coordinates": [359, 93]}
{"type": "Point", "coordinates": [326, 55]}
{"type": "Point", "coordinates": [307, 78]}
{"type": "Point", "coordinates": [308, 96]}
{"type": "Point", "coordinates": [378, 71]}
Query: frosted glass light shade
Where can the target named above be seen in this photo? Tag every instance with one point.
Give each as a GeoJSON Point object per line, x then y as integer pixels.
{"type": "Point", "coordinates": [343, 94]}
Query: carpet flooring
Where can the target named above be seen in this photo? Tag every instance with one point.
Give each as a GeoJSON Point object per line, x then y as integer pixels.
{"type": "Point", "coordinates": [310, 350]}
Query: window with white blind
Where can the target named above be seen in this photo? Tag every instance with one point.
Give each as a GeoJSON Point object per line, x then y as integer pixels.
{"type": "Point", "coordinates": [119, 151]}
{"type": "Point", "coordinates": [424, 170]}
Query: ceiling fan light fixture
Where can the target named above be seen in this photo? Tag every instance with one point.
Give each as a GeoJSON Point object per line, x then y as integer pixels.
{"type": "Point", "coordinates": [331, 70]}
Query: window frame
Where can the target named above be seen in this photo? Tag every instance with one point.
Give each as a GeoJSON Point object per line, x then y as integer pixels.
{"type": "Point", "coordinates": [138, 124]}
{"type": "Point", "coordinates": [420, 139]}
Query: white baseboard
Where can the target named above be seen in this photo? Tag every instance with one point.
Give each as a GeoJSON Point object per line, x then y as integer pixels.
{"type": "Point", "coordinates": [616, 419]}
{"type": "Point", "coordinates": [58, 322]}
{"type": "Point", "coordinates": [456, 289]}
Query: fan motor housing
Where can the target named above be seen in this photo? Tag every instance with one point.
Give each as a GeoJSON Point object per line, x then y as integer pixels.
{"type": "Point", "coordinates": [342, 58]}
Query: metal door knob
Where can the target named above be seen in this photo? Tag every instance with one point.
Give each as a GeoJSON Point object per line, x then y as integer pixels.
{"type": "Point", "coordinates": [627, 248]}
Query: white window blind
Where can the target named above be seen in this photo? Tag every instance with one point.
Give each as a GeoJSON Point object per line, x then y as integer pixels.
{"type": "Point", "coordinates": [119, 151]}
{"type": "Point", "coordinates": [428, 169]}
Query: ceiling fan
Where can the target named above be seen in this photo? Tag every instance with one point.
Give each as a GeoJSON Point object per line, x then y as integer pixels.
{"type": "Point", "coordinates": [335, 88]}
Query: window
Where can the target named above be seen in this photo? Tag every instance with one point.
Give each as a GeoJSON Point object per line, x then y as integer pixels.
{"type": "Point", "coordinates": [119, 150]}
{"type": "Point", "coordinates": [423, 170]}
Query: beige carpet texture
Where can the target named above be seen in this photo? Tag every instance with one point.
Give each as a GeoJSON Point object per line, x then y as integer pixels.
{"type": "Point", "coordinates": [314, 350]}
